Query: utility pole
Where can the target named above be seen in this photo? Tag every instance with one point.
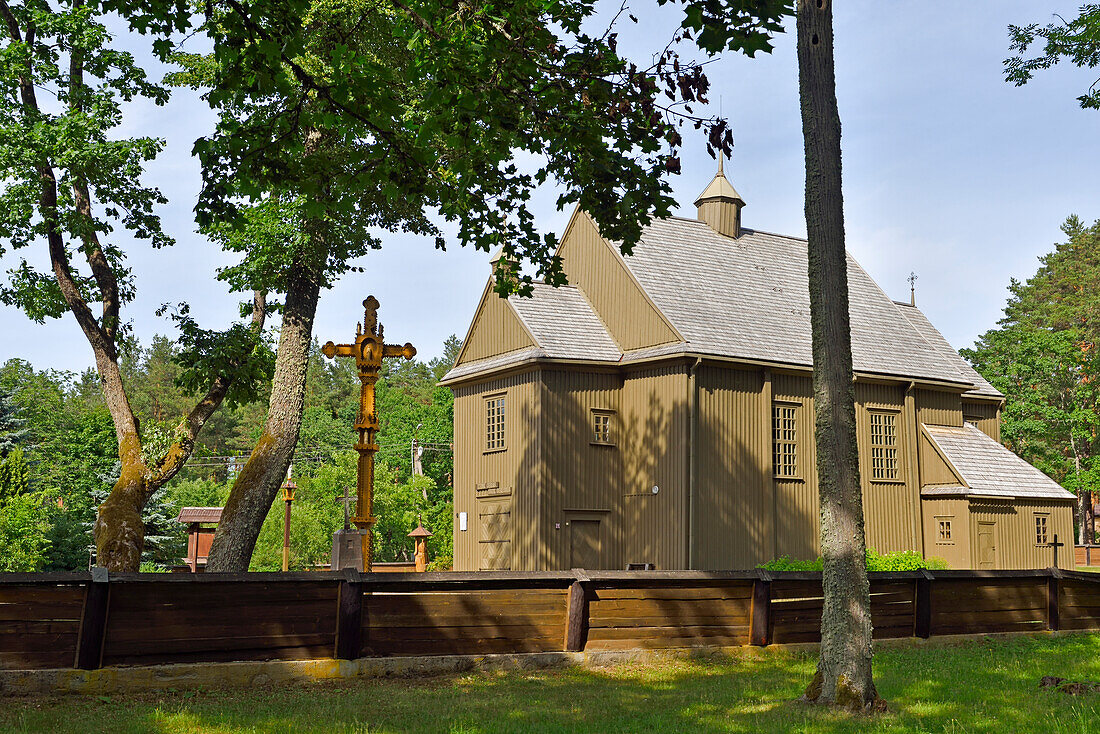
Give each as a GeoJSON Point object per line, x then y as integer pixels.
{"type": "Point", "coordinates": [417, 468]}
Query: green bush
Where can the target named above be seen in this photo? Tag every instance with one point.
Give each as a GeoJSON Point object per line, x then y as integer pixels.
{"type": "Point", "coordinates": [900, 561]}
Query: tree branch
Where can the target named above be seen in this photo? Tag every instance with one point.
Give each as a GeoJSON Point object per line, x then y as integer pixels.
{"type": "Point", "coordinates": [12, 23]}
{"type": "Point", "coordinates": [190, 427]}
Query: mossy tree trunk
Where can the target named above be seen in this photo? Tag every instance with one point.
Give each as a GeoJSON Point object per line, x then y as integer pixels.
{"type": "Point", "coordinates": [256, 486]}
{"type": "Point", "coordinates": [843, 676]}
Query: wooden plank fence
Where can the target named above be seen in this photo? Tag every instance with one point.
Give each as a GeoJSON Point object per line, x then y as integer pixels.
{"type": "Point", "coordinates": [90, 620]}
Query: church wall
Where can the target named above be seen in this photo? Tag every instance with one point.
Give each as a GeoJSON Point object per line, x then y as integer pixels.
{"type": "Point", "coordinates": [890, 506]}
{"type": "Point", "coordinates": [956, 549]}
{"type": "Point", "coordinates": [986, 415]}
{"type": "Point", "coordinates": [582, 478]}
{"type": "Point", "coordinates": [1013, 529]}
{"type": "Point", "coordinates": [798, 517]}
{"type": "Point", "coordinates": [934, 470]}
{"type": "Point", "coordinates": [733, 501]}
{"type": "Point", "coordinates": [590, 264]}
{"type": "Point", "coordinates": [939, 408]}
{"type": "Point", "coordinates": [507, 479]}
{"type": "Point", "coordinates": [654, 452]}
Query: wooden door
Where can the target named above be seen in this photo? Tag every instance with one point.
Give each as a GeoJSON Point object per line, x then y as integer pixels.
{"type": "Point", "coordinates": [494, 540]}
{"type": "Point", "coordinates": [584, 544]}
{"type": "Point", "coordinates": [987, 545]}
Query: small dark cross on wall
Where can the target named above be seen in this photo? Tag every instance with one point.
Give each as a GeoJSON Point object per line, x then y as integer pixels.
{"type": "Point", "coordinates": [1055, 545]}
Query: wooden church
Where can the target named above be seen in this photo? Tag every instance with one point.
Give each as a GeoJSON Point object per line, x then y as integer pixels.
{"type": "Point", "coordinates": [659, 410]}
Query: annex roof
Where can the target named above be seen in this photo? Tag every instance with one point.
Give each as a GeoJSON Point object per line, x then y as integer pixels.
{"type": "Point", "coordinates": [199, 514]}
{"type": "Point", "coordinates": [564, 325]}
{"type": "Point", "coordinates": [988, 468]}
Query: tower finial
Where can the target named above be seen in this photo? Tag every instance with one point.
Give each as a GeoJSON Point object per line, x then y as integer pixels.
{"type": "Point", "coordinates": [721, 159]}
{"type": "Point", "coordinates": [912, 288]}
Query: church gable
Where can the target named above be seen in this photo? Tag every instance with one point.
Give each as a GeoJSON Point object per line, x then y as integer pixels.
{"type": "Point", "coordinates": [495, 330]}
{"type": "Point", "coordinates": [591, 264]}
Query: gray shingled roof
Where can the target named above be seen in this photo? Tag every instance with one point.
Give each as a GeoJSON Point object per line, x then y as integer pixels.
{"type": "Point", "coordinates": [564, 324]}
{"type": "Point", "coordinates": [989, 468]}
{"type": "Point", "coordinates": [744, 298]}
{"type": "Point", "coordinates": [748, 297]}
{"type": "Point", "coordinates": [932, 335]}
{"type": "Point", "coordinates": [490, 364]}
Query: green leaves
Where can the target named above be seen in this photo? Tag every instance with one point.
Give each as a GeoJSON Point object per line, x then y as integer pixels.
{"type": "Point", "coordinates": [1076, 40]}
{"type": "Point", "coordinates": [206, 355]}
{"type": "Point", "coordinates": [420, 109]}
{"type": "Point", "coordinates": [1044, 357]}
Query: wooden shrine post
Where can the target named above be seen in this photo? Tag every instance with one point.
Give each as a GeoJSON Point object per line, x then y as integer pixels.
{"type": "Point", "coordinates": [369, 350]}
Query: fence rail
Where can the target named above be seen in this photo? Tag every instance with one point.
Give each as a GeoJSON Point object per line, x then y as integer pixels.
{"type": "Point", "coordinates": [90, 620]}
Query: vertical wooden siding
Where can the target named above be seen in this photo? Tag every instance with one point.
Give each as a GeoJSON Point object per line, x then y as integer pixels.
{"type": "Point", "coordinates": [1015, 532]}
{"type": "Point", "coordinates": [724, 217]}
{"type": "Point", "coordinates": [939, 408]}
{"type": "Point", "coordinates": [797, 517]}
{"type": "Point", "coordinates": [957, 510]}
{"type": "Point", "coordinates": [579, 475]}
{"type": "Point", "coordinates": [934, 469]}
{"type": "Point", "coordinates": [517, 468]}
{"type": "Point", "coordinates": [733, 500]}
{"type": "Point", "coordinates": [655, 453]}
{"type": "Point", "coordinates": [889, 506]}
{"type": "Point", "coordinates": [590, 264]}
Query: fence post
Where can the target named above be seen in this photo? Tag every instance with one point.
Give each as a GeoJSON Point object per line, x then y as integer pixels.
{"type": "Point", "coordinates": [349, 616]}
{"type": "Point", "coordinates": [93, 621]}
{"type": "Point", "coordinates": [576, 614]}
{"type": "Point", "coordinates": [760, 615]}
{"type": "Point", "coordinates": [922, 606]}
{"type": "Point", "coordinates": [1053, 582]}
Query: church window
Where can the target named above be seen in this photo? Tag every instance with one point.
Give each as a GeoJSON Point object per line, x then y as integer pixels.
{"type": "Point", "coordinates": [494, 423]}
{"type": "Point", "coordinates": [943, 534]}
{"type": "Point", "coordinates": [1041, 537]}
{"type": "Point", "coordinates": [785, 440]}
{"type": "Point", "coordinates": [884, 446]}
{"type": "Point", "coordinates": [601, 427]}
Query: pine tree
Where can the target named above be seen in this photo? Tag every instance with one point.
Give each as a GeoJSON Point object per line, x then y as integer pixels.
{"type": "Point", "coordinates": [12, 428]}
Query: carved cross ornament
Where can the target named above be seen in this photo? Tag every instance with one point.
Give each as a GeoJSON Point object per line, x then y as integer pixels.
{"type": "Point", "coordinates": [368, 350]}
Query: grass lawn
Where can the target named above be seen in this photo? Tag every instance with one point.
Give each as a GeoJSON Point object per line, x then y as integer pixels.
{"type": "Point", "coordinates": [971, 686]}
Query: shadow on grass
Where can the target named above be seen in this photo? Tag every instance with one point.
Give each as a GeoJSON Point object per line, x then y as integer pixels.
{"type": "Point", "coordinates": [974, 686]}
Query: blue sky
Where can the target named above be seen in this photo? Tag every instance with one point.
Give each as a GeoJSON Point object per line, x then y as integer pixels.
{"type": "Point", "coordinates": [948, 171]}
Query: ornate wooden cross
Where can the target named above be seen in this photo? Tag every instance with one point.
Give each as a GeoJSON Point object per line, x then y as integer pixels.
{"type": "Point", "coordinates": [369, 350]}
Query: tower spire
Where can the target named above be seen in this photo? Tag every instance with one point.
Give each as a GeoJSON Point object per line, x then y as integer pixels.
{"type": "Point", "coordinates": [720, 205]}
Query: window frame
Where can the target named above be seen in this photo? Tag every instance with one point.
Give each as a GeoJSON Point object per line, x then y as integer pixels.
{"type": "Point", "coordinates": [796, 415]}
{"type": "Point", "coordinates": [594, 438]}
{"type": "Point", "coordinates": [1042, 519]}
{"type": "Point", "coordinates": [940, 521]}
{"type": "Point", "coordinates": [487, 441]}
{"type": "Point", "coordinates": [899, 465]}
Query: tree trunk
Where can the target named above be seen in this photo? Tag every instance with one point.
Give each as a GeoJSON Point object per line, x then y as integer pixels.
{"type": "Point", "coordinates": [843, 675]}
{"type": "Point", "coordinates": [256, 486]}
{"type": "Point", "coordinates": [1084, 505]}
